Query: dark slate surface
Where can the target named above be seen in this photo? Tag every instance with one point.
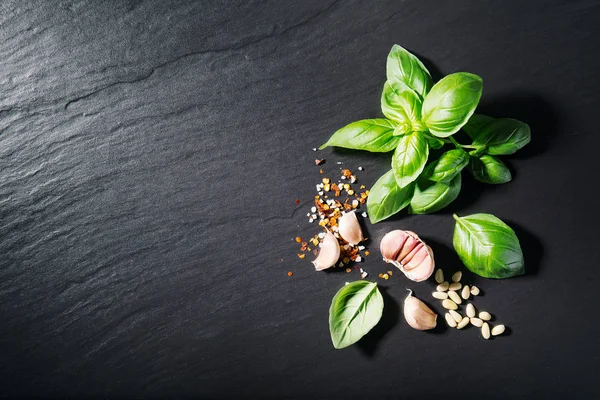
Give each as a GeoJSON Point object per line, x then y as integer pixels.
{"type": "Point", "coordinates": [150, 156]}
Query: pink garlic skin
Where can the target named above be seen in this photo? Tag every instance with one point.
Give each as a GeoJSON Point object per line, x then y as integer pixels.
{"type": "Point", "coordinates": [408, 253]}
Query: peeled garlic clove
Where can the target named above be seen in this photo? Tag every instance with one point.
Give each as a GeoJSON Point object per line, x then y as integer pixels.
{"type": "Point", "coordinates": [408, 253]}
{"type": "Point", "coordinates": [329, 253]}
{"type": "Point", "coordinates": [349, 228]}
{"type": "Point", "coordinates": [418, 315]}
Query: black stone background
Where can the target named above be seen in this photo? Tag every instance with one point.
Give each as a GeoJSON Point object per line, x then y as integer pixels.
{"type": "Point", "coordinates": [151, 153]}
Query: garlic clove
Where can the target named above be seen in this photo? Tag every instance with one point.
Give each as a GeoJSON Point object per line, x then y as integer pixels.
{"type": "Point", "coordinates": [391, 244]}
{"type": "Point", "coordinates": [349, 228]}
{"type": "Point", "coordinates": [418, 315]}
{"type": "Point", "coordinates": [328, 254]}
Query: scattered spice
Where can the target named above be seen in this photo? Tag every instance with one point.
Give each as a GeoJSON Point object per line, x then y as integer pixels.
{"type": "Point", "coordinates": [348, 270]}
{"type": "Point", "coordinates": [290, 273]}
{"type": "Point", "coordinates": [319, 162]}
{"type": "Point", "coordinates": [301, 256]}
{"type": "Point", "coordinates": [297, 201]}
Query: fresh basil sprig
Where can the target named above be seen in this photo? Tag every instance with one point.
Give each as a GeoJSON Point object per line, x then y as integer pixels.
{"type": "Point", "coordinates": [487, 246]}
{"type": "Point", "coordinates": [420, 116]}
{"type": "Point", "coordinates": [355, 310]}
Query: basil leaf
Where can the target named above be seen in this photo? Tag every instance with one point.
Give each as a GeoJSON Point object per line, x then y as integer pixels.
{"type": "Point", "coordinates": [400, 103]}
{"type": "Point", "coordinates": [355, 310]}
{"type": "Point", "coordinates": [503, 136]}
{"type": "Point", "coordinates": [386, 198]}
{"type": "Point", "coordinates": [476, 123]}
{"type": "Point", "coordinates": [374, 135]}
{"type": "Point", "coordinates": [445, 168]}
{"type": "Point", "coordinates": [409, 158]}
{"type": "Point", "coordinates": [434, 143]}
{"type": "Point", "coordinates": [451, 102]}
{"type": "Point", "coordinates": [404, 67]}
{"type": "Point", "coordinates": [432, 196]}
{"type": "Point", "coordinates": [487, 246]}
{"type": "Point", "coordinates": [489, 169]}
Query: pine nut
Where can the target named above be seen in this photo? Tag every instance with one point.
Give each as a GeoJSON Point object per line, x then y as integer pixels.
{"type": "Point", "coordinates": [449, 304]}
{"type": "Point", "coordinates": [465, 293]}
{"type": "Point", "coordinates": [457, 317]}
{"type": "Point", "coordinates": [474, 290]}
{"type": "Point", "coordinates": [484, 315]}
{"type": "Point", "coordinates": [455, 297]}
{"type": "Point", "coordinates": [440, 295]}
{"type": "Point", "coordinates": [463, 323]}
{"type": "Point", "coordinates": [471, 310]}
{"type": "Point", "coordinates": [455, 286]}
{"type": "Point", "coordinates": [485, 330]}
{"type": "Point", "coordinates": [456, 277]}
{"type": "Point", "coordinates": [450, 321]}
{"type": "Point", "coordinates": [476, 322]}
{"type": "Point", "coordinates": [442, 287]}
{"type": "Point", "coordinates": [439, 276]}
{"type": "Point", "coordinates": [498, 330]}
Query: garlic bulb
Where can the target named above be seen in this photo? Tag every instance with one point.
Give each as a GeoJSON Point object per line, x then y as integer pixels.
{"type": "Point", "coordinates": [408, 253]}
{"type": "Point", "coordinates": [418, 315]}
{"type": "Point", "coordinates": [329, 253]}
{"type": "Point", "coordinates": [349, 228]}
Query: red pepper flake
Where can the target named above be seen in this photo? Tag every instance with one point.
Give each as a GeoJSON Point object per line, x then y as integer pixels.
{"type": "Point", "coordinates": [319, 162]}
{"type": "Point", "coordinates": [356, 267]}
{"type": "Point", "coordinates": [298, 239]}
{"type": "Point", "coordinates": [367, 253]}
{"type": "Point", "coordinates": [297, 201]}
{"type": "Point", "coordinates": [290, 273]}
{"type": "Point", "coordinates": [301, 256]}
{"type": "Point", "coordinates": [321, 171]}
{"type": "Point", "coordinates": [348, 270]}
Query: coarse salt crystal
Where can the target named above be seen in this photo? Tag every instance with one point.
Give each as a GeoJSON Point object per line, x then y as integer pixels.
{"type": "Point", "coordinates": [364, 215]}
{"type": "Point", "coordinates": [360, 168]}
{"type": "Point", "coordinates": [343, 177]}
{"type": "Point", "coordinates": [352, 179]}
{"type": "Point", "coordinates": [364, 275]}
{"type": "Point", "coordinates": [339, 162]}
{"type": "Point", "coordinates": [361, 270]}
{"type": "Point", "coordinates": [308, 214]}
{"type": "Point", "coordinates": [361, 247]}
{"type": "Point", "coordinates": [313, 209]}
{"type": "Point", "coordinates": [314, 149]}
{"type": "Point", "coordinates": [314, 216]}
{"type": "Point", "coordinates": [358, 259]}
{"type": "Point", "coordinates": [322, 235]}
{"type": "Point", "coordinates": [310, 220]}
{"type": "Point", "coordinates": [321, 193]}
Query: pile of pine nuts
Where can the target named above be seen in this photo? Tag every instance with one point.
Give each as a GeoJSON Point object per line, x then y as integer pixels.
{"type": "Point", "coordinates": [448, 293]}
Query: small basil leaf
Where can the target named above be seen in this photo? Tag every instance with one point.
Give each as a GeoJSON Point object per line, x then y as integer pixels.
{"type": "Point", "coordinates": [402, 66]}
{"type": "Point", "coordinates": [451, 102]}
{"type": "Point", "coordinates": [476, 123]}
{"type": "Point", "coordinates": [487, 246]}
{"type": "Point", "coordinates": [386, 198]}
{"type": "Point", "coordinates": [355, 310]}
{"type": "Point", "coordinates": [434, 143]}
{"type": "Point", "coordinates": [445, 168]}
{"type": "Point", "coordinates": [409, 158]}
{"type": "Point", "coordinates": [374, 135]}
{"type": "Point", "coordinates": [400, 103]}
{"type": "Point", "coordinates": [432, 196]}
{"type": "Point", "coordinates": [489, 169]}
{"type": "Point", "coordinates": [503, 136]}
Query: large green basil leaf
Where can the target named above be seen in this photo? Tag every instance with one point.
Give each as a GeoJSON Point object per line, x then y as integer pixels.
{"type": "Point", "coordinates": [432, 196]}
{"type": "Point", "coordinates": [451, 102]}
{"type": "Point", "coordinates": [401, 104]}
{"type": "Point", "coordinates": [410, 158]}
{"type": "Point", "coordinates": [476, 123]}
{"type": "Point", "coordinates": [386, 198]}
{"type": "Point", "coordinates": [355, 310]}
{"type": "Point", "coordinates": [489, 169]}
{"type": "Point", "coordinates": [402, 66]}
{"type": "Point", "coordinates": [503, 136]}
{"type": "Point", "coordinates": [487, 246]}
{"type": "Point", "coordinates": [445, 168]}
{"type": "Point", "coordinates": [374, 135]}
